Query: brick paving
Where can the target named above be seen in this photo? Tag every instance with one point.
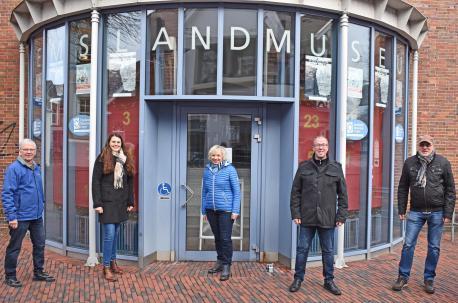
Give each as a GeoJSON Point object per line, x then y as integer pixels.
{"type": "Point", "coordinates": [363, 281]}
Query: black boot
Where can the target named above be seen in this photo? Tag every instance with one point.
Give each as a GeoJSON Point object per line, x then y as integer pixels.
{"type": "Point", "coordinates": [216, 268]}
{"type": "Point", "coordinates": [295, 286]}
{"type": "Point", "coordinates": [332, 288]}
{"type": "Point", "coordinates": [225, 273]}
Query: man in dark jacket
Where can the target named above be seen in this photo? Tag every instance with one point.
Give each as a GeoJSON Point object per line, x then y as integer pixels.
{"type": "Point", "coordinates": [23, 203]}
{"type": "Point", "coordinates": [429, 178]}
{"type": "Point", "coordinates": [318, 184]}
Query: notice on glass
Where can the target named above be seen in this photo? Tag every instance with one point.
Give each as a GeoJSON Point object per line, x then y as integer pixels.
{"type": "Point", "coordinates": [399, 97]}
{"type": "Point", "coordinates": [83, 79]}
{"type": "Point", "coordinates": [123, 65]}
{"type": "Point", "coordinates": [318, 77]}
{"type": "Point", "coordinates": [382, 80]}
{"type": "Point", "coordinates": [355, 82]}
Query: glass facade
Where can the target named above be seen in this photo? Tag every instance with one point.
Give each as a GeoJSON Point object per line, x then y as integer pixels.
{"type": "Point", "coordinates": [217, 53]}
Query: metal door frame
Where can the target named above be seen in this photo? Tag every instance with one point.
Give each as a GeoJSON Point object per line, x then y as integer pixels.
{"type": "Point", "coordinates": [181, 169]}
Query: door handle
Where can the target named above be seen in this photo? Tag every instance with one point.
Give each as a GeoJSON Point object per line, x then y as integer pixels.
{"type": "Point", "coordinates": [190, 197]}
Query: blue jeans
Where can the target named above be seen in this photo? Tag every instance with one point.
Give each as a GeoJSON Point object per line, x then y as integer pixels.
{"type": "Point", "coordinates": [110, 236]}
{"type": "Point", "coordinates": [37, 235]}
{"type": "Point", "coordinates": [305, 237]}
{"type": "Point", "coordinates": [221, 225]}
{"type": "Point", "coordinates": [415, 222]}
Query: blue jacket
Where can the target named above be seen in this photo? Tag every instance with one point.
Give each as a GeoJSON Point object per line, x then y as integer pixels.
{"type": "Point", "coordinates": [221, 189]}
{"type": "Point", "coordinates": [22, 193]}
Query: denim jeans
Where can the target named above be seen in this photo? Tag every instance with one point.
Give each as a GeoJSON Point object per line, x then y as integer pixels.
{"type": "Point", "coordinates": [37, 235]}
{"type": "Point", "coordinates": [221, 225]}
{"type": "Point", "coordinates": [110, 236]}
{"type": "Point", "coordinates": [305, 237]}
{"type": "Point", "coordinates": [415, 222]}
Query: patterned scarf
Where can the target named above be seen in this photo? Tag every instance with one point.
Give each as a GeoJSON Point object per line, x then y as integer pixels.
{"type": "Point", "coordinates": [119, 168]}
{"type": "Point", "coordinates": [421, 176]}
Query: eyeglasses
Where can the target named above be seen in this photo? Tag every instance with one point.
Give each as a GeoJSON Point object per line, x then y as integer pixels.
{"type": "Point", "coordinates": [425, 144]}
{"type": "Point", "coordinates": [28, 150]}
{"type": "Point", "coordinates": [320, 145]}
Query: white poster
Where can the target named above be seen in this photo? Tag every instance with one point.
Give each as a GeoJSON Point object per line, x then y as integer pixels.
{"type": "Point", "coordinates": [318, 77]}
{"type": "Point", "coordinates": [399, 97]}
{"type": "Point", "coordinates": [125, 65]}
{"type": "Point", "coordinates": [83, 79]}
{"type": "Point", "coordinates": [382, 82]}
{"type": "Point", "coordinates": [355, 82]}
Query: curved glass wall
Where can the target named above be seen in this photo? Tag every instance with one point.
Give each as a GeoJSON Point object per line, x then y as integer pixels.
{"type": "Point", "coordinates": [244, 54]}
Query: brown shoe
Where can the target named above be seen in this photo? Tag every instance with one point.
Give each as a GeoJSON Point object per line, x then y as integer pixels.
{"type": "Point", "coordinates": [109, 276]}
{"type": "Point", "coordinates": [115, 268]}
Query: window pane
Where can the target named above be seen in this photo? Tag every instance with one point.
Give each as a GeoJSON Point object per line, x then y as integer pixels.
{"type": "Point", "coordinates": [55, 48]}
{"type": "Point", "coordinates": [382, 140]}
{"type": "Point", "coordinates": [37, 93]}
{"type": "Point", "coordinates": [239, 52]}
{"type": "Point", "coordinates": [316, 88]}
{"type": "Point", "coordinates": [79, 78]}
{"type": "Point", "coordinates": [400, 133]}
{"type": "Point", "coordinates": [121, 111]}
{"type": "Point", "coordinates": [200, 51]}
{"type": "Point", "coordinates": [357, 135]}
{"type": "Point", "coordinates": [161, 41]}
{"type": "Point", "coordinates": [278, 74]}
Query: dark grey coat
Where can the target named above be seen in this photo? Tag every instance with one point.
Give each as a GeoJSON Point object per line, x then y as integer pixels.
{"type": "Point", "coordinates": [114, 201]}
{"type": "Point", "coordinates": [315, 192]}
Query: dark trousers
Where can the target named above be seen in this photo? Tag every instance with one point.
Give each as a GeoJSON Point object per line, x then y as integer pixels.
{"type": "Point", "coordinates": [221, 225]}
{"type": "Point", "coordinates": [305, 237]}
{"type": "Point", "coordinates": [37, 235]}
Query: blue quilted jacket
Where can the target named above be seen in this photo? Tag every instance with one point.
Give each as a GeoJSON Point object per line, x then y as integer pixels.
{"type": "Point", "coordinates": [221, 189]}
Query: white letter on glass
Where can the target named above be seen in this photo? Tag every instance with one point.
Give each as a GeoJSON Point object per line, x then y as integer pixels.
{"type": "Point", "coordinates": [84, 46]}
{"type": "Point", "coordinates": [194, 32]}
{"type": "Point", "coordinates": [381, 62]}
{"type": "Point", "coordinates": [247, 38]}
{"type": "Point", "coordinates": [358, 55]}
{"type": "Point", "coordinates": [271, 39]}
{"type": "Point", "coordinates": [166, 37]}
{"type": "Point", "coordinates": [312, 45]}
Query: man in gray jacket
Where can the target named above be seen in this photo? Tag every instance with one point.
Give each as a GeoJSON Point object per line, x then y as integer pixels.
{"type": "Point", "coordinates": [429, 178]}
{"type": "Point", "coordinates": [319, 183]}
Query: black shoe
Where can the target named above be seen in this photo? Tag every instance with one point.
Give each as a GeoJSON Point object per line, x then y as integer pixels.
{"type": "Point", "coordinates": [225, 273]}
{"type": "Point", "coordinates": [13, 282]}
{"type": "Point", "coordinates": [295, 286]}
{"type": "Point", "coordinates": [216, 268]}
{"type": "Point", "coordinates": [399, 284]}
{"type": "Point", "coordinates": [429, 286]}
{"type": "Point", "coordinates": [43, 276]}
{"type": "Point", "coordinates": [332, 288]}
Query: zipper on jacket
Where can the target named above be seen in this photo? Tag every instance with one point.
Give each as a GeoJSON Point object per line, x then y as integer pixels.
{"type": "Point", "coordinates": [213, 187]}
{"type": "Point", "coordinates": [36, 189]}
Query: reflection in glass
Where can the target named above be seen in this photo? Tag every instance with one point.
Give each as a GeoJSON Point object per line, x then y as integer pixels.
{"type": "Point", "coordinates": [200, 51]}
{"type": "Point", "coordinates": [239, 52]}
{"type": "Point", "coordinates": [400, 133]}
{"type": "Point", "coordinates": [357, 135]}
{"type": "Point", "coordinates": [162, 46]}
{"type": "Point", "coordinates": [278, 73]}
{"type": "Point", "coordinates": [316, 86]}
{"type": "Point", "coordinates": [233, 132]}
{"type": "Point", "coordinates": [37, 93]}
{"type": "Point", "coordinates": [55, 59]}
{"type": "Point", "coordinates": [381, 164]}
{"type": "Point", "coordinates": [121, 108]}
{"type": "Point", "coordinates": [78, 134]}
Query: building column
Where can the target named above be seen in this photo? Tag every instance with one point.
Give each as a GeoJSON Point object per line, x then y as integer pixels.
{"type": "Point", "coordinates": [92, 259]}
{"type": "Point", "coordinates": [21, 90]}
{"type": "Point", "coordinates": [342, 127]}
{"type": "Point", "coordinates": [414, 103]}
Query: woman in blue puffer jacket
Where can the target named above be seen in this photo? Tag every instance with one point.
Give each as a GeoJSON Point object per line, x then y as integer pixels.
{"type": "Point", "coordinates": [221, 206]}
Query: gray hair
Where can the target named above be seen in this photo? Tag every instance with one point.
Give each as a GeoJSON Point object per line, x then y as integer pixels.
{"type": "Point", "coordinates": [217, 148]}
{"type": "Point", "coordinates": [26, 141]}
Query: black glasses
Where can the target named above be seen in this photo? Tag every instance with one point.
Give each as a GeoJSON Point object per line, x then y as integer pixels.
{"type": "Point", "coordinates": [425, 144]}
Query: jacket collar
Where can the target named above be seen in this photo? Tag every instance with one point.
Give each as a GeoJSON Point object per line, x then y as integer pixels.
{"type": "Point", "coordinates": [29, 165]}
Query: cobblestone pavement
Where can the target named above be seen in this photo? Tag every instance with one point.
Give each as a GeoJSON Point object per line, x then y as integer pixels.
{"type": "Point", "coordinates": [362, 281]}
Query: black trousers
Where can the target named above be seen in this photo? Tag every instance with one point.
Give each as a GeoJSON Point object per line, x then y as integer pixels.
{"type": "Point", "coordinates": [37, 235]}
{"type": "Point", "coordinates": [221, 225]}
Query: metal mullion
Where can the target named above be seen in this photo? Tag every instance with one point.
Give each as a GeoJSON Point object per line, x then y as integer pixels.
{"type": "Point", "coordinates": [180, 59]}
{"type": "Point", "coordinates": [220, 52]}
{"type": "Point", "coordinates": [31, 72]}
{"type": "Point", "coordinates": [260, 49]}
{"type": "Point", "coordinates": [393, 136]}
{"type": "Point", "coordinates": [43, 115]}
{"type": "Point", "coordinates": [65, 138]}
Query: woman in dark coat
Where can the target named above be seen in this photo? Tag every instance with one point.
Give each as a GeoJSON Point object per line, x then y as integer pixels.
{"type": "Point", "coordinates": [113, 196]}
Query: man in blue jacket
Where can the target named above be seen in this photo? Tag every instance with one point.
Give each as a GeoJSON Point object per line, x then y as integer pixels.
{"type": "Point", "coordinates": [23, 203]}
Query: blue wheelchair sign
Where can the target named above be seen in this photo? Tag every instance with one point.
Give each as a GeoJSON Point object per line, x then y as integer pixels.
{"type": "Point", "coordinates": [164, 189]}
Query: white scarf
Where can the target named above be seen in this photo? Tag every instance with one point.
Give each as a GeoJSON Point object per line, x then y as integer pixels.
{"type": "Point", "coordinates": [119, 168]}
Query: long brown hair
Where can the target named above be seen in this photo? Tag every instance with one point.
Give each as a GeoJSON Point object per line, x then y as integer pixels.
{"type": "Point", "coordinates": [106, 156]}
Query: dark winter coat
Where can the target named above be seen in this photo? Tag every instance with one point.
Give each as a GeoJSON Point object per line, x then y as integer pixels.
{"type": "Point", "coordinates": [314, 194]}
{"type": "Point", "coordinates": [114, 201]}
{"type": "Point", "coordinates": [439, 193]}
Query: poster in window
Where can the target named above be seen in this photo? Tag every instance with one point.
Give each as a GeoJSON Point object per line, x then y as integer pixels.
{"type": "Point", "coordinates": [122, 74]}
{"type": "Point", "coordinates": [83, 79]}
{"type": "Point", "coordinates": [382, 80]}
{"type": "Point", "coordinates": [355, 82]}
{"type": "Point", "coordinates": [318, 75]}
{"type": "Point", "coordinates": [399, 97]}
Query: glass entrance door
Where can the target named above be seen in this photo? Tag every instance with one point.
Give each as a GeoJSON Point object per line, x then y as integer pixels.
{"type": "Point", "coordinates": [199, 131]}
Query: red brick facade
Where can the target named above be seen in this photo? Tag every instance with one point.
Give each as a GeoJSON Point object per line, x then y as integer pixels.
{"type": "Point", "coordinates": [437, 87]}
